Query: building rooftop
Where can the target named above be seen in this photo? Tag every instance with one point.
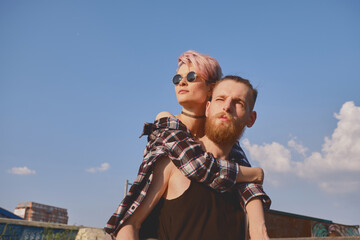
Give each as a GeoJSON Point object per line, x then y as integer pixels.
{"type": "Point", "coordinates": [7, 214]}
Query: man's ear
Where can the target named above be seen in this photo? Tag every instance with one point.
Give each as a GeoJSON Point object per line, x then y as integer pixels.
{"type": "Point", "coordinates": [252, 119]}
{"type": "Point", "coordinates": [207, 108]}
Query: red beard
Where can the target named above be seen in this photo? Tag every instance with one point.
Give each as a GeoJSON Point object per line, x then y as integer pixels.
{"type": "Point", "coordinates": [223, 133]}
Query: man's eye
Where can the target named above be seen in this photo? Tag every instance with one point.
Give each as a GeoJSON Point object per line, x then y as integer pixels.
{"type": "Point", "coordinates": [241, 103]}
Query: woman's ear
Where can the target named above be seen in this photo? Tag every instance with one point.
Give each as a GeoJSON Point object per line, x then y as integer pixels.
{"type": "Point", "coordinates": [210, 89]}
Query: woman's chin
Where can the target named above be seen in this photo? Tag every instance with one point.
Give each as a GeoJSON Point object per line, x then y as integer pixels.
{"type": "Point", "coordinates": [192, 104]}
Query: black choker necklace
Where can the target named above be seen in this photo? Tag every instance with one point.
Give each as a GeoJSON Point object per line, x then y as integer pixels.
{"type": "Point", "coordinates": [193, 116]}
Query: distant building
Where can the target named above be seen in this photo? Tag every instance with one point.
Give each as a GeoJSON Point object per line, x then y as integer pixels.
{"type": "Point", "coordinates": [42, 213]}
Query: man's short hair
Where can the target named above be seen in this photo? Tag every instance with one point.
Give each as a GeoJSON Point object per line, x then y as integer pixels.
{"type": "Point", "coordinates": [252, 93]}
{"type": "Point", "coordinates": [205, 66]}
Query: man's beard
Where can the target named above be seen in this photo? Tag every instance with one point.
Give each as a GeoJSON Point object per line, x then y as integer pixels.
{"type": "Point", "coordinates": [223, 133]}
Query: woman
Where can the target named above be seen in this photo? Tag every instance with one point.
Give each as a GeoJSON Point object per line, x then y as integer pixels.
{"type": "Point", "coordinates": [175, 138]}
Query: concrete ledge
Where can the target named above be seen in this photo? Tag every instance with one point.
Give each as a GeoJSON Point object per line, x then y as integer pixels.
{"type": "Point", "coordinates": [92, 234]}
{"type": "Point", "coordinates": [39, 224]}
{"type": "Point", "coordinates": [87, 233]}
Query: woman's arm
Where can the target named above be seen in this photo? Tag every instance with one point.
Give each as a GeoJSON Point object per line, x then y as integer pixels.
{"type": "Point", "coordinates": [161, 174]}
{"type": "Point", "coordinates": [250, 174]}
{"type": "Point", "coordinates": [189, 157]}
{"type": "Point", "coordinates": [245, 174]}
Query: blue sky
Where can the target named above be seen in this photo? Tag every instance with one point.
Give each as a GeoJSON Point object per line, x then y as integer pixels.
{"type": "Point", "coordinates": [79, 78]}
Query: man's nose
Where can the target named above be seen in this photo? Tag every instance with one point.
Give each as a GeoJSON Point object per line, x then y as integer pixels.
{"type": "Point", "coordinates": [227, 105]}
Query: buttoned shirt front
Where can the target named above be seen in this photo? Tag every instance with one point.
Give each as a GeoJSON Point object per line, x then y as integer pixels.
{"type": "Point", "coordinates": [169, 137]}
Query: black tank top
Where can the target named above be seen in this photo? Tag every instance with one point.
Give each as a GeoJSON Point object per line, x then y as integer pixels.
{"type": "Point", "coordinates": [201, 213]}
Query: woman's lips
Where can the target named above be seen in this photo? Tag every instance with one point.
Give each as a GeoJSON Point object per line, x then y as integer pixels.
{"type": "Point", "coordinates": [183, 91]}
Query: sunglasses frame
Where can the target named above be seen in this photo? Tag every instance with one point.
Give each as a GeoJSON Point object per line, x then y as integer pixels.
{"type": "Point", "coordinates": [190, 78]}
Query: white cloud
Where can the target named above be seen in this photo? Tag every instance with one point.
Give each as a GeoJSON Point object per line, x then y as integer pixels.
{"type": "Point", "coordinates": [272, 157]}
{"type": "Point", "coordinates": [21, 171]}
{"type": "Point", "coordinates": [102, 168]}
{"type": "Point", "coordinates": [341, 152]}
{"type": "Point", "coordinates": [335, 169]}
{"type": "Point", "coordinates": [339, 187]}
{"type": "Point", "coordinates": [299, 148]}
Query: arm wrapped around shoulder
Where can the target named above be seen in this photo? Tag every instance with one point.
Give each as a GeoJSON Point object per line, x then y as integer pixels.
{"type": "Point", "coordinates": [172, 136]}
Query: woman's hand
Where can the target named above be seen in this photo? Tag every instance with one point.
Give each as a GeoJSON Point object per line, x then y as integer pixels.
{"type": "Point", "coordinates": [250, 174]}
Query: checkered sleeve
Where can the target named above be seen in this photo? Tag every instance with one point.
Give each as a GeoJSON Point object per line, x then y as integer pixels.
{"type": "Point", "coordinates": [249, 191]}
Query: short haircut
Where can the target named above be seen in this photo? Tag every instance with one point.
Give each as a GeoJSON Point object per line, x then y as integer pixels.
{"type": "Point", "coordinates": [205, 66]}
{"type": "Point", "coordinates": [252, 93]}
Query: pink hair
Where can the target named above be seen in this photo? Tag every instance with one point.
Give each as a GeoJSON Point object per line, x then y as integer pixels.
{"type": "Point", "coordinates": [205, 66]}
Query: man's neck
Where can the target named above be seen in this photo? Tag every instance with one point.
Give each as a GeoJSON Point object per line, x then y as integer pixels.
{"type": "Point", "coordinates": [219, 151]}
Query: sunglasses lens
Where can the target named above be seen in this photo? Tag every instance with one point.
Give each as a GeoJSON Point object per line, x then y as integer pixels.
{"type": "Point", "coordinates": [191, 76]}
{"type": "Point", "coordinates": [176, 79]}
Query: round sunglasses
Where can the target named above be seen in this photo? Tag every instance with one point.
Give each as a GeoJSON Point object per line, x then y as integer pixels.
{"type": "Point", "coordinates": [190, 77]}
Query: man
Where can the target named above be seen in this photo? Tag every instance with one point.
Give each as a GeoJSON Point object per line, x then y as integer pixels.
{"type": "Point", "coordinates": [191, 210]}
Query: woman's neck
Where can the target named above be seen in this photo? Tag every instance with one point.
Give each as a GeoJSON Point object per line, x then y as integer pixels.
{"type": "Point", "coordinates": [196, 125]}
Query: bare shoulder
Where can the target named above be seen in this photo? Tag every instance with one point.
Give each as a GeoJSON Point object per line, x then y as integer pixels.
{"type": "Point", "coordinates": [163, 114]}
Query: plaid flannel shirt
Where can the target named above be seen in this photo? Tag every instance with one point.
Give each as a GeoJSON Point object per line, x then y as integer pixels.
{"type": "Point", "coordinates": [169, 137]}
